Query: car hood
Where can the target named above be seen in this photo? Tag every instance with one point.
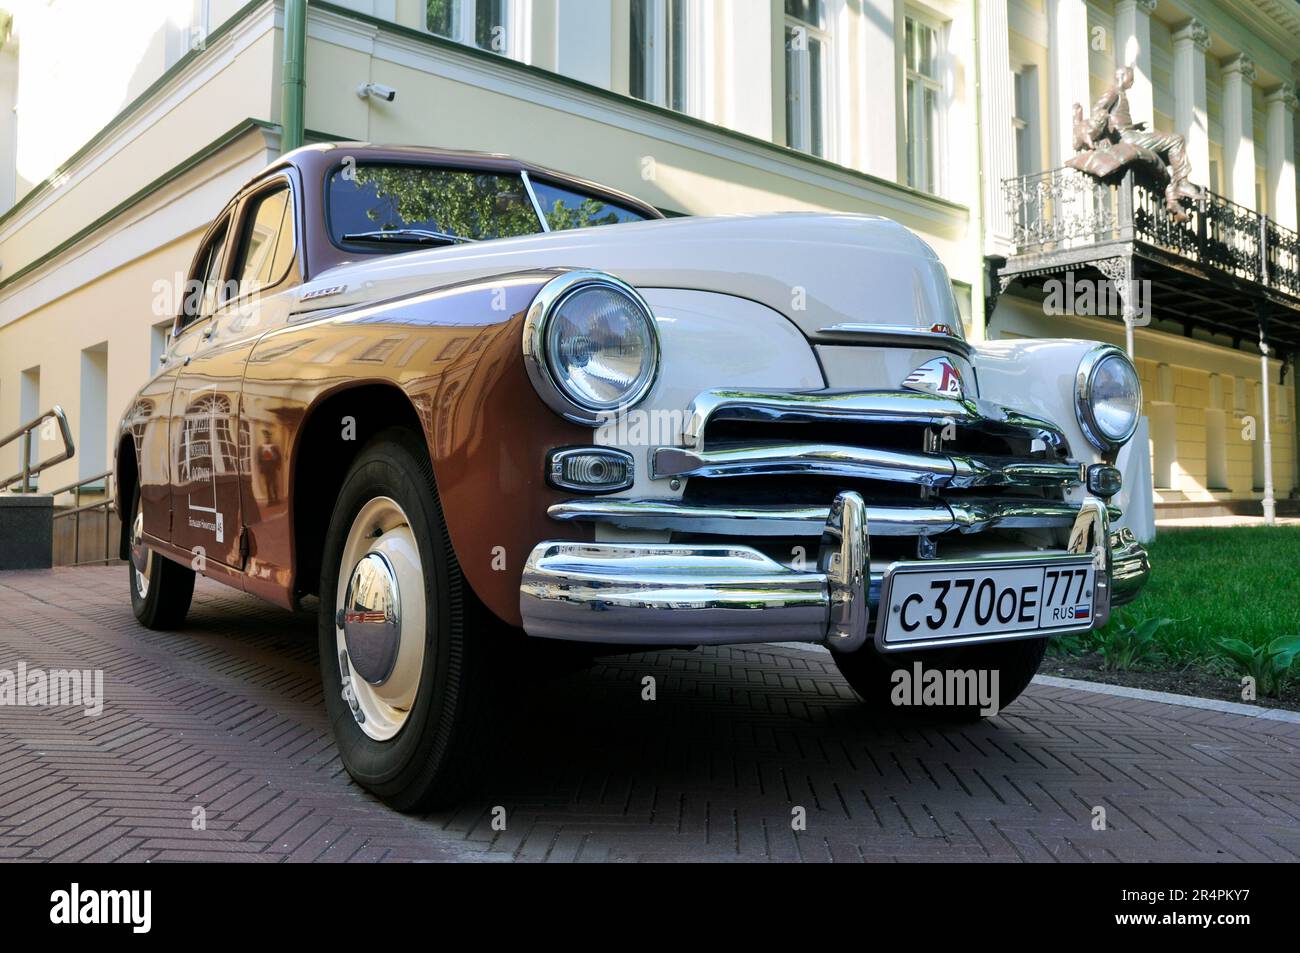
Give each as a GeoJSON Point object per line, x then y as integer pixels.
{"type": "Point", "coordinates": [816, 269]}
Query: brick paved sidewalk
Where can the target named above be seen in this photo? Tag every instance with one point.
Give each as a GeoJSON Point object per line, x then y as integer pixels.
{"type": "Point", "coordinates": [227, 716]}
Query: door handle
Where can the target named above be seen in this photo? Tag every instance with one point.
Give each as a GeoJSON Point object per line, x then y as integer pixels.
{"type": "Point", "coordinates": [209, 330]}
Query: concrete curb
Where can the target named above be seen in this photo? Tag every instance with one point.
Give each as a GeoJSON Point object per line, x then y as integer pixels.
{"type": "Point", "coordinates": [1170, 698]}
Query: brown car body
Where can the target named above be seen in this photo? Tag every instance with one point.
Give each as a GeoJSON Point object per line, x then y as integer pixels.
{"type": "Point", "coordinates": [239, 444]}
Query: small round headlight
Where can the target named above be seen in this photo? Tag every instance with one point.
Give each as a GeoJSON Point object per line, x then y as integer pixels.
{"type": "Point", "coordinates": [591, 346]}
{"type": "Point", "coordinates": [1108, 398]}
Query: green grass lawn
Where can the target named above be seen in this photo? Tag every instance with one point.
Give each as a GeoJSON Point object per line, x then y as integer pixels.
{"type": "Point", "coordinates": [1234, 582]}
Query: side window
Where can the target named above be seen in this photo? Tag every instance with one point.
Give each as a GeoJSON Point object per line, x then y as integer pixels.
{"type": "Point", "coordinates": [565, 208]}
{"type": "Point", "coordinates": [266, 245]}
{"type": "Point", "coordinates": [202, 289]}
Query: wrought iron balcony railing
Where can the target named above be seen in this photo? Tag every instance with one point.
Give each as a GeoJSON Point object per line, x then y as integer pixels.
{"type": "Point", "coordinates": [1066, 210]}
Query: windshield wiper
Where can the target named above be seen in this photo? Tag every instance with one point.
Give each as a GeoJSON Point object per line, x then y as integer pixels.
{"type": "Point", "coordinates": [416, 236]}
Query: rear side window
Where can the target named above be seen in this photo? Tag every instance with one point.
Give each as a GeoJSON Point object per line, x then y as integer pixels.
{"type": "Point", "coordinates": [202, 290]}
{"type": "Point", "coordinates": [266, 245]}
{"type": "Point", "coordinates": [413, 200]}
{"type": "Point", "coordinates": [565, 208]}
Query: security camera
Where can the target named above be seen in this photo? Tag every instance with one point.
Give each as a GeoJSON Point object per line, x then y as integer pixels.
{"type": "Point", "coordinates": [378, 90]}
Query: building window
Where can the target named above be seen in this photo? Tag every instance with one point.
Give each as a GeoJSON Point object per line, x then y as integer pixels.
{"type": "Point", "coordinates": [159, 335]}
{"type": "Point", "coordinates": [807, 48]}
{"type": "Point", "coordinates": [924, 106]}
{"type": "Point", "coordinates": [92, 446]}
{"type": "Point", "coordinates": [188, 27]}
{"type": "Point", "coordinates": [1025, 120]}
{"type": "Point", "coordinates": [659, 53]}
{"type": "Point", "coordinates": [482, 23]}
{"type": "Point", "coordinates": [29, 405]}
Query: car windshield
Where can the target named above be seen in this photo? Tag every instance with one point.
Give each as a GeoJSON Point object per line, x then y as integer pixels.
{"type": "Point", "coordinates": [381, 207]}
{"type": "Point", "coordinates": [395, 207]}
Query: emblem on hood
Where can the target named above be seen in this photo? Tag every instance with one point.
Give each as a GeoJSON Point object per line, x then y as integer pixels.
{"type": "Point", "coordinates": [938, 376]}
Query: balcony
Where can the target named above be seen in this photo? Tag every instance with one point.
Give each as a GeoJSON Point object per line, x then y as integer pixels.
{"type": "Point", "coordinates": [1227, 270]}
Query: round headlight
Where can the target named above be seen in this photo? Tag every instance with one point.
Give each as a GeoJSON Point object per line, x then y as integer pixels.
{"type": "Point", "coordinates": [591, 346]}
{"type": "Point", "coordinates": [1109, 398]}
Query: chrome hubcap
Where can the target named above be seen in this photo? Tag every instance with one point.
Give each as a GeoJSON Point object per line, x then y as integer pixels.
{"type": "Point", "coordinates": [379, 618]}
{"type": "Point", "coordinates": [372, 621]}
{"type": "Point", "coordinates": [141, 555]}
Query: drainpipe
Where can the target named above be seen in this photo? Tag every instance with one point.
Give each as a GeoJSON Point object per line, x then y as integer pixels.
{"type": "Point", "coordinates": [293, 86]}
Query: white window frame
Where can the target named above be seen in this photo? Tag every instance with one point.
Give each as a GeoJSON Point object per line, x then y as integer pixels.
{"type": "Point", "coordinates": [801, 138]}
{"type": "Point", "coordinates": [1029, 123]}
{"type": "Point", "coordinates": [697, 97]}
{"type": "Point", "coordinates": [916, 108]}
{"type": "Point", "coordinates": [191, 34]}
{"type": "Point", "coordinates": [518, 16]}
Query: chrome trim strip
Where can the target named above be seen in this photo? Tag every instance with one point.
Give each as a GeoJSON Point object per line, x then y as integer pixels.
{"type": "Point", "coordinates": [893, 334]}
{"type": "Point", "coordinates": [532, 197]}
{"type": "Point", "coordinates": [863, 463]}
{"type": "Point", "coordinates": [929, 519]}
{"type": "Point", "coordinates": [1002, 471]}
{"type": "Point", "coordinates": [876, 406]}
{"type": "Point", "coordinates": [867, 463]}
{"type": "Point", "coordinates": [748, 521]}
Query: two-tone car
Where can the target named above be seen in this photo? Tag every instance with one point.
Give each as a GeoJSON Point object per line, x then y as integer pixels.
{"type": "Point", "coordinates": [470, 404]}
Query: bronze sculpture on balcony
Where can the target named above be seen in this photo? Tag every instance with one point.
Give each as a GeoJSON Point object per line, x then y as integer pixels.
{"type": "Point", "coordinates": [1109, 140]}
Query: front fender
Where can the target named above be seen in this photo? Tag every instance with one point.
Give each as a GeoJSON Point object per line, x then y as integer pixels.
{"type": "Point", "coordinates": [1038, 378]}
{"type": "Point", "coordinates": [455, 355]}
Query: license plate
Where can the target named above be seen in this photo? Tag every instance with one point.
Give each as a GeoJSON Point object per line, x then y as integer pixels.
{"type": "Point", "coordinates": [972, 600]}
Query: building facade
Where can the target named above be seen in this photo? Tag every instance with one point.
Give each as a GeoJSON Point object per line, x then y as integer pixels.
{"type": "Point", "coordinates": [122, 135]}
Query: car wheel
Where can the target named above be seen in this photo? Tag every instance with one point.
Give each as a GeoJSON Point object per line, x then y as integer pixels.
{"type": "Point", "coordinates": [161, 590]}
{"type": "Point", "coordinates": [401, 649]}
{"type": "Point", "coordinates": [871, 674]}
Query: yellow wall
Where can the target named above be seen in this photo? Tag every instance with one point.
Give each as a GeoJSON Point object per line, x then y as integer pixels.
{"type": "Point", "coordinates": [53, 338]}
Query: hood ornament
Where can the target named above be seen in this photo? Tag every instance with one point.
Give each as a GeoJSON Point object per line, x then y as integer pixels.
{"type": "Point", "coordinates": [938, 376]}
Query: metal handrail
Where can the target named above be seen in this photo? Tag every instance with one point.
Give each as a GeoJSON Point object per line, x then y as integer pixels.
{"type": "Point", "coordinates": [106, 504]}
{"type": "Point", "coordinates": [25, 432]}
{"type": "Point", "coordinates": [74, 487]}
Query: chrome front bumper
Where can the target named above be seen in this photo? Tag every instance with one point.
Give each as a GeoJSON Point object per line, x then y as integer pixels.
{"type": "Point", "coordinates": [669, 594]}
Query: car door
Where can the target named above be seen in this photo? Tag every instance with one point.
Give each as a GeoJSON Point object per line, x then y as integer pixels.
{"type": "Point", "coordinates": [218, 454]}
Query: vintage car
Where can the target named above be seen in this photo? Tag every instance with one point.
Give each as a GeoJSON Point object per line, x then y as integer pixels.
{"type": "Point", "coordinates": [471, 405]}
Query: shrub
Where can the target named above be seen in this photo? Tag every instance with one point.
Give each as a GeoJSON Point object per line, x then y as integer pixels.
{"type": "Point", "coordinates": [1269, 664]}
{"type": "Point", "coordinates": [1123, 648]}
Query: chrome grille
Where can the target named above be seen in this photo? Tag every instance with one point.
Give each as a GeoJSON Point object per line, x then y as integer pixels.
{"type": "Point", "coordinates": [769, 463]}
